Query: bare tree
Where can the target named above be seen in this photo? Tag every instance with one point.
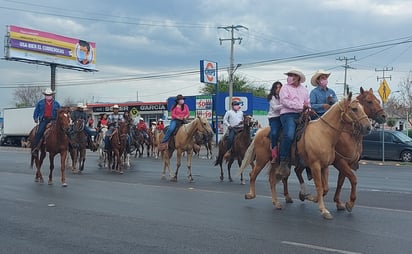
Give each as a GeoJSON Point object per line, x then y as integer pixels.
{"type": "Point", "coordinates": [405, 89]}
{"type": "Point", "coordinates": [27, 96]}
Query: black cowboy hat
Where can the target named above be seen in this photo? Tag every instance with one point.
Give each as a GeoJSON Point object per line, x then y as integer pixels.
{"type": "Point", "coordinates": [179, 97]}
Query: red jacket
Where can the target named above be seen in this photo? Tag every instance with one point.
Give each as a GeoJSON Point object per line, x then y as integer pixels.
{"type": "Point", "coordinates": [141, 126]}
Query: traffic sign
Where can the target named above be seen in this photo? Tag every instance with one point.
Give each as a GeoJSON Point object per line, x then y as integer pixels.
{"type": "Point", "coordinates": [384, 91]}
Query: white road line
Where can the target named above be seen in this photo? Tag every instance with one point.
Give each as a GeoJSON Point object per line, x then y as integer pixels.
{"type": "Point", "coordinates": [315, 247]}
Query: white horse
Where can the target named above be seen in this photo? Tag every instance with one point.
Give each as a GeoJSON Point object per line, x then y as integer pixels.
{"type": "Point", "coordinates": [100, 148]}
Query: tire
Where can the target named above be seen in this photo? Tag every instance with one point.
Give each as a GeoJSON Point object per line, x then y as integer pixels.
{"type": "Point", "coordinates": [406, 156]}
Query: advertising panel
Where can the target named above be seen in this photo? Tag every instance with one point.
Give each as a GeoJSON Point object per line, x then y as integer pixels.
{"type": "Point", "coordinates": [204, 105]}
{"type": "Point", "coordinates": [208, 72]}
{"type": "Point", "coordinates": [33, 45]}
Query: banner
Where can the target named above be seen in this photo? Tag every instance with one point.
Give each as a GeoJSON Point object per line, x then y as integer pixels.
{"type": "Point", "coordinates": [37, 46]}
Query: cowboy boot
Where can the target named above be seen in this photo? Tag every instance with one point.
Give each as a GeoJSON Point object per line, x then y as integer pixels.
{"type": "Point", "coordinates": [274, 155]}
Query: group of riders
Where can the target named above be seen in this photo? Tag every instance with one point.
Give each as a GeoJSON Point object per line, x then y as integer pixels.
{"type": "Point", "coordinates": [46, 111]}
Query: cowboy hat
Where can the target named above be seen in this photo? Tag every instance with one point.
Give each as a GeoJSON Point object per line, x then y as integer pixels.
{"type": "Point", "coordinates": [299, 73]}
{"type": "Point", "coordinates": [314, 79]}
{"type": "Point", "coordinates": [179, 97]}
{"type": "Point", "coordinates": [115, 106]}
{"type": "Point", "coordinates": [141, 119]}
{"type": "Point", "coordinates": [160, 120]}
{"type": "Point", "coordinates": [235, 103]}
{"type": "Point", "coordinates": [48, 91]}
{"type": "Point", "coordinates": [80, 105]}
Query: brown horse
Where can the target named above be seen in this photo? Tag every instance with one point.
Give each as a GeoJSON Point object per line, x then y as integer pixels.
{"type": "Point", "coordinates": [203, 140]}
{"type": "Point", "coordinates": [142, 141]}
{"type": "Point", "coordinates": [183, 142]}
{"type": "Point", "coordinates": [348, 152]}
{"type": "Point", "coordinates": [77, 146]}
{"type": "Point", "coordinates": [240, 144]}
{"type": "Point", "coordinates": [345, 115]}
{"type": "Point", "coordinates": [55, 141]}
{"type": "Point", "coordinates": [118, 142]}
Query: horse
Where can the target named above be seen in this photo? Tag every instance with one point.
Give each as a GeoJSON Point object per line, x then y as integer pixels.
{"type": "Point", "coordinates": [183, 142]}
{"type": "Point", "coordinates": [348, 152]}
{"type": "Point", "coordinates": [118, 142]}
{"type": "Point", "coordinates": [240, 144]}
{"type": "Point", "coordinates": [260, 147]}
{"type": "Point", "coordinates": [77, 146]}
{"type": "Point", "coordinates": [205, 140]}
{"type": "Point", "coordinates": [102, 161]}
{"type": "Point", "coordinates": [143, 141]}
{"type": "Point", "coordinates": [54, 141]}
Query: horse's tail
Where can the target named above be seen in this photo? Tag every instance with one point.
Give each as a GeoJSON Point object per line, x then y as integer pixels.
{"type": "Point", "coordinates": [250, 155]}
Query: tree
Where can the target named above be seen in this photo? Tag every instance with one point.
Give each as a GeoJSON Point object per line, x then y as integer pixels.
{"type": "Point", "coordinates": [240, 84]}
{"type": "Point", "coordinates": [27, 96]}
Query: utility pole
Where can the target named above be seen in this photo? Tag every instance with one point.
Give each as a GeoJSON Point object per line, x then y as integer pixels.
{"type": "Point", "coordinates": [383, 106]}
{"type": "Point", "coordinates": [346, 66]}
{"type": "Point", "coordinates": [232, 40]}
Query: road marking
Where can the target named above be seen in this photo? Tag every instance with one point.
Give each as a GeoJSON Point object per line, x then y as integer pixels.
{"type": "Point", "coordinates": [316, 247]}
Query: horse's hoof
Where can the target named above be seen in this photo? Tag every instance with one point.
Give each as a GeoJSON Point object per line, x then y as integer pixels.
{"type": "Point", "coordinates": [303, 196]}
{"type": "Point", "coordinates": [249, 196]}
{"type": "Point", "coordinates": [288, 200]}
{"type": "Point", "coordinates": [230, 180]}
{"type": "Point", "coordinates": [221, 178]}
{"type": "Point", "coordinates": [349, 207]}
{"type": "Point", "coordinates": [340, 207]}
{"type": "Point", "coordinates": [121, 172]}
{"type": "Point", "coordinates": [278, 205]}
{"type": "Point", "coordinates": [327, 215]}
{"type": "Point", "coordinates": [36, 180]}
{"type": "Point", "coordinates": [173, 179]}
{"type": "Point", "coordinates": [50, 183]}
{"type": "Point", "coordinates": [64, 184]}
{"type": "Point", "coordinates": [242, 183]}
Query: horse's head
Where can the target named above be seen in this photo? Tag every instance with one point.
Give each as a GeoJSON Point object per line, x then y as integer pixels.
{"type": "Point", "coordinates": [63, 119]}
{"type": "Point", "coordinates": [123, 127]}
{"type": "Point", "coordinates": [248, 121]}
{"type": "Point", "coordinates": [353, 113]}
{"type": "Point", "coordinates": [371, 105]}
{"type": "Point", "coordinates": [204, 126]}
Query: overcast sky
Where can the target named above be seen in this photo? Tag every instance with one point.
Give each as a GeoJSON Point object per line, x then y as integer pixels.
{"type": "Point", "coordinates": [138, 40]}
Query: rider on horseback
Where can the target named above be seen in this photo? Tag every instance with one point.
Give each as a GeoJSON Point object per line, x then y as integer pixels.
{"type": "Point", "coordinates": [142, 128]}
{"type": "Point", "coordinates": [233, 119]}
{"type": "Point", "coordinates": [113, 122]}
{"type": "Point", "coordinates": [44, 112]}
{"type": "Point", "coordinates": [160, 126]}
{"type": "Point", "coordinates": [80, 114]}
{"type": "Point", "coordinates": [180, 113]}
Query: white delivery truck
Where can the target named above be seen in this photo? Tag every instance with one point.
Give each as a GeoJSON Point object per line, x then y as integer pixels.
{"type": "Point", "coordinates": [17, 124]}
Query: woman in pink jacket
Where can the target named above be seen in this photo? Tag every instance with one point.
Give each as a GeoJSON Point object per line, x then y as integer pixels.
{"type": "Point", "coordinates": [180, 113]}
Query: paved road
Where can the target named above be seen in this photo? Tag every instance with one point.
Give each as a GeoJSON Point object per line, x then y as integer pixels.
{"type": "Point", "coordinates": [102, 212]}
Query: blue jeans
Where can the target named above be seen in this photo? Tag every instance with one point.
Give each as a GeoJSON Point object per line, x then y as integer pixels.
{"type": "Point", "coordinates": [40, 131]}
{"type": "Point", "coordinates": [169, 131]}
{"type": "Point", "coordinates": [275, 126]}
{"type": "Point", "coordinates": [230, 138]}
{"type": "Point", "coordinates": [289, 128]}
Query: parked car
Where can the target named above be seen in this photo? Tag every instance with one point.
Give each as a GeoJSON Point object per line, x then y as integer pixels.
{"type": "Point", "coordinates": [397, 146]}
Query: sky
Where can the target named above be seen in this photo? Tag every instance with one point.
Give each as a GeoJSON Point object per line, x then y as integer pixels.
{"type": "Point", "coordinates": [150, 50]}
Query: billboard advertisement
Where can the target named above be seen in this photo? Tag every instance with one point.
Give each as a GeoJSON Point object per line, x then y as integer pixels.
{"type": "Point", "coordinates": [38, 46]}
{"type": "Point", "coordinates": [208, 72]}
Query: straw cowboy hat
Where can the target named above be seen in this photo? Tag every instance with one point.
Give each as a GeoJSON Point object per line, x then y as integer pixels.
{"type": "Point", "coordinates": [179, 97]}
{"type": "Point", "coordinates": [299, 73]}
{"type": "Point", "coordinates": [48, 91]}
{"type": "Point", "coordinates": [115, 106]}
{"type": "Point", "coordinates": [314, 79]}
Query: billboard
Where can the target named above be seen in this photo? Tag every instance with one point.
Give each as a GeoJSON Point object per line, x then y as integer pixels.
{"type": "Point", "coordinates": [30, 45]}
{"type": "Point", "coordinates": [208, 72]}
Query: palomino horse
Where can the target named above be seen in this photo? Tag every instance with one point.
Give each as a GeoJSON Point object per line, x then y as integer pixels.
{"type": "Point", "coordinates": [345, 114]}
{"type": "Point", "coordinates": [183, 142]}
{"type": "Point", "coordinates": [118, 142]}
{"type": "Point", "coordinates": [348, 152]}
{"type": "Point", "coordinates": [239, 147]}
{"type": "Point", "coordinates": [157, 138]}
{"type": "Point", "coordinates": [205, 140]}
{"type": "Point", "coordinates": [54, 141]}
{"type": "Point", "coordinates": [77, 146]}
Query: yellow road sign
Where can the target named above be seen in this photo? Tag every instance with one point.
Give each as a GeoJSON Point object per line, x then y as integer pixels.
{"type": "Point", "coordinates": [384, 91]}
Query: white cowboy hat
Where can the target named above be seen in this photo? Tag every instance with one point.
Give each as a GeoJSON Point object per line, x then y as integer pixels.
{"type": "Point", "coordinates": [48, 91]}
{"type": "Point", "coordinates": [141, 119]}
{"type": "Point", "coordinates": [160, 120]}
{"type": "Point", "coordinates": [314, 79]}
{"type": "Point", "coordinates": [80, 105]}
{"type": "Point", "coordinates": [115, 106]}
{"type": "Point", "coordinates": [297, 72]}
{"type": "Point", "coordinates": [153, 122]}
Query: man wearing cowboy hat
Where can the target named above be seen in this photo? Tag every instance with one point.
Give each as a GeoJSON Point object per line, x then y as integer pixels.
{"type": "Point", "coordinates": [180, 113]}
{"type": "Point", "coordinates": [113, 122]}
{"type": "Point", "coordinates": [142, 127]}
{"type": "Point", "coordinates": [321, 97]}
{"type": "Point", "coordinates": [294, 98]}
{"type": "Point", "coordinates": [80, 114]}
{"type": "Point", "coordinates": [233, 119]}
{"type": "Point", "coordinates": [44, 112]}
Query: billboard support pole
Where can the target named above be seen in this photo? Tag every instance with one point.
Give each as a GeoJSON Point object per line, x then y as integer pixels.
{"type": "Point", "coordinates": [53, 77]}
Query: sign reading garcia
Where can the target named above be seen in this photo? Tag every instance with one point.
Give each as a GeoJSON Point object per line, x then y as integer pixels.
{"type": "Point", "coordinates": [208, 72]}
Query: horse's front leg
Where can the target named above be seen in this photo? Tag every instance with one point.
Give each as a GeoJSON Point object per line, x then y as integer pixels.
{"type": "Point", "coordinates": [339, 204]}
{"type": "Point", "coordinates": [189, 166]}
{"type": "Point", "coordinates": [239, 162]}
{"type": "Point", "coordinates": [288, 198]}
{"type": "Point", "coordinates": [178, 164]}
{"type": "Point", "coordinates": [317, 178]}
{"type": "Point", "coordinates": [325, 178]}
{"type": "Point", "coordinates": [229, 166]}
{"type": "Point", "coordinates": [345, 171]}
{"type": "Point", "coordinates": [63, 156]}
{"type": "Point", "coordinates": [302, 193]}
